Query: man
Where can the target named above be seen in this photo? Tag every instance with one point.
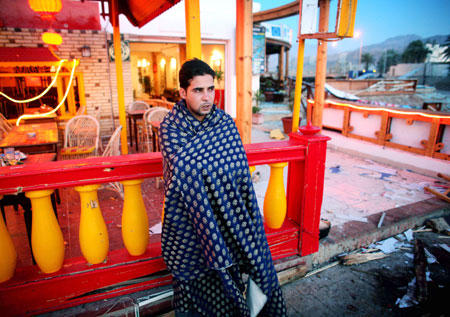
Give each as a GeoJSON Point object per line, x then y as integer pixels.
{"type": "Point", "coordinates": [212, 230]}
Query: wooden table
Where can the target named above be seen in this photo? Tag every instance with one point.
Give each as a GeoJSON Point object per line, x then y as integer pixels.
{"type": "Point", "coordinates": [46, 139]}
{"type": "Point", "coordinates": [133, 116]}
{"type": "Point", "coordinates": [34, 120]}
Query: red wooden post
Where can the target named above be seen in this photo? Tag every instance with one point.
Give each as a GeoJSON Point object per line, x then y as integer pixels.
{"type": "Point", "coordinates": [305, 189]}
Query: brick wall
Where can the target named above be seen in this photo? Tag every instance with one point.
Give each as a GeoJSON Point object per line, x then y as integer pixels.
{"type": "Point", "coordinates": [98, 87]}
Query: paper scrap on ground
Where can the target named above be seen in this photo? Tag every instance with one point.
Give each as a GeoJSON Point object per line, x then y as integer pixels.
{"type": "Point", "coordinates": [335, 169]}
{"type": "Point", "coordinates": [408, 234]}
{"type": "Point", "coordinates": [156, 228]}
{"type": "Point", "coordinates": [445, 247]}
{"type": "Point", "coordinates": [430, 257]}
{"type": "Point", "coordinates": [276, 134]}
{"type": "Point", "coordinates": [379, 169]}
{"type": "Point", "coordinates": [408, 299]}
{"type": "Point", "coordinates": [349, 217]}
{"type": "Point", "coordinates": [389, 245]}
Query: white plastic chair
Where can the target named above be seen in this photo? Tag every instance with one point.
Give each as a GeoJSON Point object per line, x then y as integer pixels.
{"type": "Point", "coordinates": [81, 137]}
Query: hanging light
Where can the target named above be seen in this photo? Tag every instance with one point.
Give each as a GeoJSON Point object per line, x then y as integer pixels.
{"type": "Point", "coordinates": [52, 38]}
{"type": "Point", "coordinates": [46, 8]}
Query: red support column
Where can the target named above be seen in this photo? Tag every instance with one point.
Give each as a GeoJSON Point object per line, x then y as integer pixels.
{"type": "Point", "coordinates": [305, 190]}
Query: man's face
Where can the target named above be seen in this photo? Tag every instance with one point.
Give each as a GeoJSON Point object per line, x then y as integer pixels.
{"type": "Point", "coordinates": [199, 96]}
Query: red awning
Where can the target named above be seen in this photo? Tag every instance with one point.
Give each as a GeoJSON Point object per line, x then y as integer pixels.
{"type": "Point", "coordinates": [26, 54]}
{"type": "Point", "coordinates": [140, 12]}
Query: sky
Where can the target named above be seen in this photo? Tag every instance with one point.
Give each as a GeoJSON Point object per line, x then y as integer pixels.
{"type": "Point", "coordinates": [378, 20]}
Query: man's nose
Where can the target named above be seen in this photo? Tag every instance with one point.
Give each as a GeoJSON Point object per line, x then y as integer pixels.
{"type": "Point", "coordinates": [206, 96]}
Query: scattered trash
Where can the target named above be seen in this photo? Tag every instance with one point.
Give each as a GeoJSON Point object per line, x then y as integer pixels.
{"type": "Point", "coordinates": [438, 225]}
{"type": "Point", "coordinates": [354, 218]}
{"type": "Point", "coordinates": [380, 222]}
{"type": "Point", "coordinates": [358, 258]}
{"type": "Point", "coordinates": [336, 169]}
{"type": "Point", "coordinates": [430, 257]}
{"type": "Point", "coordinates": [389, 245]}
{"type": "Point", "coordinates": [409, 234]}
{"type": "Point", "coordinates": [408, 299]}
{"type": "Point", "coordinates": [256, 176]}
{"type": "Point", "coordinates": [384, 171]}
{"type": "Point", "coordinates": [445, 247]}
{"type": "Point", "coordinates": [324, 228]}
{"type": "Point", "coordinates": [156, 229]}
{"type": "Point", "coordinates": [276, 134]}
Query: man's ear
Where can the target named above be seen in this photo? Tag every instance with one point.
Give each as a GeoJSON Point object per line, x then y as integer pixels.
{"type": "Point", "coordinates": [183, 93]}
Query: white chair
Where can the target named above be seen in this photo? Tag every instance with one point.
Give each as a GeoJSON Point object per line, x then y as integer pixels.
{"type": "Point", "coordinates": [113, 149]}
{"type": "Point", "coordinates": [157, 115]}
{"type": "Point", "coordinates": [81, 137]}
{"type": "Point", "coordinates": [138, 105]}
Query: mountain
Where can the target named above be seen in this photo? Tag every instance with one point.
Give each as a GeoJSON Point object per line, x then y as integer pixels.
{"type": "Point", "coordinates": [397, 43]}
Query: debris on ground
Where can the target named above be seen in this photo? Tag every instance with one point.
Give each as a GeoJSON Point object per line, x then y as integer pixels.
{"type": "Point", "coordinates": [276, 134]}
{"type": "Point", "coordinates": [156, 229]}
{"type": "Point", "coordinates": [439, 225]}
{"type": "Point", "coordinates": [336, 169]}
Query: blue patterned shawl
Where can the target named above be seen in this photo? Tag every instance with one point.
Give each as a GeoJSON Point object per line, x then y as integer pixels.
{"type": "Point", "coordinates": [212, 220]}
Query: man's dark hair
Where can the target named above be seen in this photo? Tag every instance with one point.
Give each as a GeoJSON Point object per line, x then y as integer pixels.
{"type": "Point", "coordinates": [191, 68]}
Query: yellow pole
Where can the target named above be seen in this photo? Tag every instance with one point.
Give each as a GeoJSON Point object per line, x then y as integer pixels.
{"type": "Point", "coordinates": [298, 86]}
{"type": "Point", "coordinates": [321, 65]}
{"type": "Point", "coordinates": [8, 255]}
{"type": "Point", "coordinates": [275, 204]}
{"type": "Point", "coordinates": [93, 234]}
{"type": "Point", "coordinates": [135, 233]}
{"type": "Point", "coordinates": [119, 76]}
{"type": "Point", "coordinates": [47, 239]}
{"type": "Point", "coordinates": [193, 37]}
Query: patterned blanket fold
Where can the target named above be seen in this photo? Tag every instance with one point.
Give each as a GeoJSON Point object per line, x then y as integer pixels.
{"type": "Point", "coordinates": [211, 216]}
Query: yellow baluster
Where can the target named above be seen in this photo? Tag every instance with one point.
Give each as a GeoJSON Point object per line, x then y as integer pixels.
{"type": "Point", "coordinates": [134, 218]}
{"type": "Point", "coordinates": [8, 255]}
{"type": "Point", "coordinates": [93, 235]}
{"type": "Point", "coordinates": [46, 237]}
{"type": "Point", "coordinates": [275, 200]}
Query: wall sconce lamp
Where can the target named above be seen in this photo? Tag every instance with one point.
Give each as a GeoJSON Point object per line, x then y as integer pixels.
{"type": "Point", "coordinates": [85, 51]}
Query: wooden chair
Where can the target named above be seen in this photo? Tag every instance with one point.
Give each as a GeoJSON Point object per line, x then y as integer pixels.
{"type": "Point", "coordinates": [113, 149]}
{"type": "Point", "coordinates": [138, 105]}
{"type": "Point", "coordinates": [81, 137]}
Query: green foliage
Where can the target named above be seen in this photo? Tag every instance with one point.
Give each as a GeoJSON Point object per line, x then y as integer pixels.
{"type": "Point", "coordinates": [415, 52]}
{"type": "Point", "coordinates": [447, 49]}
{"type": "Point", "coordinates": [386, 60]}
{"type": "Point", "coordinates": [219, 76]}
{"type": "Point", "coordinates": [367, 59]}
{"type": "Point", "coordinates": [256, 109]}
{"type": "Point", "coordinates": [258, 96]}
{"type": "Point", "coordinates": [447, 52]}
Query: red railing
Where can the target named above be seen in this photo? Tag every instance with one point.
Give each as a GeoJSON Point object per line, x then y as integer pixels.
{"type": "Point", "coordinates": [30, 292]}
